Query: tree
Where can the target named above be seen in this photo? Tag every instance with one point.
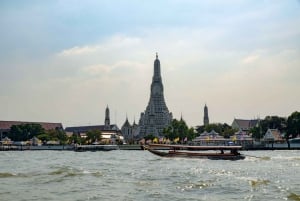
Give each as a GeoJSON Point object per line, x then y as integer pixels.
{"type": "Point", "coordinates": [25, 132]}
{"type": "Point", "coordinates": [75, 138]}
{"type": "Point", "coordinates": [179, 129]}
{"type": "Point", "coordinates": [93, 136]}
{"type": "Point", "coordinates": [269, 122]}
{"type": "Point", "coordinates": [256, 132]}
{"type": "Point", "coordinates": [191, 134]}
{"type": "Point", "coordinates": [149, 137]}
{"type": "Point", "coordinates": [293, 125]}
{"type": "Point", "coordinates": [54, 135]}
{"type": "Point", "coordinates": [227, 132]}
{"type": "Point", "coordinates": [223, 129]}
{"type": "Point", "coordinates": [44, 137]}
{"type": "Point", "coordinates": [273, 122]}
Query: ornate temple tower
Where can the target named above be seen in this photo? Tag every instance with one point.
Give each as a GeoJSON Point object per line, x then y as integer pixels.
{"type": "Point", "coordinates": [205, 119]}
{"type": "Point", "coordinates": [107, 119]}
{"type": "Point", "coordinates": [156, 116]}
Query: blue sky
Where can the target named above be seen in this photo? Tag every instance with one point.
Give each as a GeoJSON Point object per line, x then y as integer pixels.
{"type": "Point", "coordinates": [64, 61]}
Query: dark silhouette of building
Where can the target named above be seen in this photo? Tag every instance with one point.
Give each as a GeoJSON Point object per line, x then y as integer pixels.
{"type": "Point", "coordinates": [205, 119]}
{"type": "Point", "coordinates": [107, 118]}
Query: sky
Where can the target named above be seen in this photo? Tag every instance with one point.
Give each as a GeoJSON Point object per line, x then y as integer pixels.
{"type": "Point", "coordinates": [65, 61]}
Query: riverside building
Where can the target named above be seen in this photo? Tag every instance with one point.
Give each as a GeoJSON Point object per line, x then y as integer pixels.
{"type": "Point", "coordinates": [109, 132]}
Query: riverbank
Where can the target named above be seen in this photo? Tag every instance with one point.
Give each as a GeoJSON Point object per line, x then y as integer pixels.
{"type": "Point", "coordinates": [35, 148]}
{"type": "Point", "coordinates": [69, 147]}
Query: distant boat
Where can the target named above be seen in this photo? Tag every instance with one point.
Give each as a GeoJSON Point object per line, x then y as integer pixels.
{"type": "Point", "coordinates": [204, 152]}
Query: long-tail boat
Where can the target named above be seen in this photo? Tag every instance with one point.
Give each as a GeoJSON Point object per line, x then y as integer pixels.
{"type": "Point", "coordinates": [206, 152]}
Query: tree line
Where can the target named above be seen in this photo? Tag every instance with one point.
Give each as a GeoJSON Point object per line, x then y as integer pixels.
{"type": "Point", "coordinates": [25, 132]}
{"type": "Point", "coordinates": [178, 129]}
{"type": "Point", "coordinates": [289, 127]}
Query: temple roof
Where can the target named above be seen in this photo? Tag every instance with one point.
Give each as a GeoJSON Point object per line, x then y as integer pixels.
{"type": "Point", "coordinates": [246, 124]}
{"type": "Point", "coordinates": [83, 129]}
{"type": "Point", "coordinates": [126, 123]}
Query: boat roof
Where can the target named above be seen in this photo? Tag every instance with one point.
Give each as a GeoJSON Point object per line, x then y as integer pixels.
{"type": "Point", "coordinates": [197, 147]}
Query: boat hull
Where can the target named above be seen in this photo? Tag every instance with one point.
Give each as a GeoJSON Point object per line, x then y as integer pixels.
{"type": "Point", "coordinates": [186, 154]}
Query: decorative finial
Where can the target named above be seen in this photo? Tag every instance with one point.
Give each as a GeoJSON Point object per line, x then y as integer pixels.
{"type": "Point", "coordinates": [156, 55]}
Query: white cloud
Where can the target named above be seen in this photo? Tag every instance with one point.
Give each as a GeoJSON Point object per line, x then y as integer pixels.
{"type": "Point", "coordinates": [250, 59]}
{"type": "Point", "coordinates": [96, 70]}
{"type": "Point", "coordinates": [75, 51]}
{"type": "Point", "coordinates": [111, 43]}
{"type": "Point", "coordinates": [238, 68]}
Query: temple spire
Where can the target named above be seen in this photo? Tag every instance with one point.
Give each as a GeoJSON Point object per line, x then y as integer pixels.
{"type": "Point", "coordinates": [156, 75]}
{"type": "Point", "coordinates": [205, 118]}
{"type": "Point", "coordinates": [107, 118]}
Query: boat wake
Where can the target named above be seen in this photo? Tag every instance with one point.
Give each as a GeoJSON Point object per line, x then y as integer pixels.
{"type": "Point", "coordinates": [72, 172]}
{"type": "Point", "coordinates": [255, 158]}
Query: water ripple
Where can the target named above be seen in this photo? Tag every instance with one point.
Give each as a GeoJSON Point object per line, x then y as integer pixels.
{"type": "Point", "coordinates": [138, 175]}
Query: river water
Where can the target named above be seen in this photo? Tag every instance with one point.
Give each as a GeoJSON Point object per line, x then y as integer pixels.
{"type": "Point", "coordinates": [139, 175]}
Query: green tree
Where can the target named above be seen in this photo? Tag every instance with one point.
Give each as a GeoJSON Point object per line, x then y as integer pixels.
{"type": "Point", "coordinates": [25, 132]}
{"type": "Point", "coordinates": [93, 136]}
{"type": "Point", "coordinates": [216, 127]}
{"type": "Point", "coordinates": [227, 132]}
{"type": "Point", "coordinates": [75, 138]}
{"type": "Point", "coordinates": [273, 122]}
{"type": "Point", "coordinates": [54, 135]}
{"type": "Point", "coordinates": [149, 137]}
{"type": "Point", "coordinates": [223, 129]}
{"type": "Point", "coordinates": [44, 137]}
{"type": "Point", "coordinates": [256, 132]}
{"type": "Point", "coordinates": [293, 125]}
{"type": "Point", "coordinates": [179, 129]}
{"type": "Point", "coordinates": [191, 134]}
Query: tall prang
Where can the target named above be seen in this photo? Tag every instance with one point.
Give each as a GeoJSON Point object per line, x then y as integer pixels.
{"type": "Point", "coordinates": [205, 118]}
{"type": "Point", "coordinates": [107, 118]}
{"type": "Point", "coordinates": [156, 116]}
